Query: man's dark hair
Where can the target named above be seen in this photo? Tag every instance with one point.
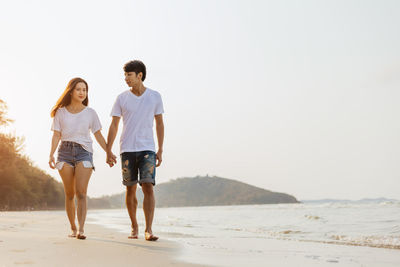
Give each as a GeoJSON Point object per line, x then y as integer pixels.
{"type": "Point", "coordinates": [136, 66]}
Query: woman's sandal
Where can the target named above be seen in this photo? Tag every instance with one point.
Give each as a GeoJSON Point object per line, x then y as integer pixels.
{"type": "Point", "coordinates": [133, 235]}
{"type": "Point", "coordinates": [150, 237]}
{"type": "Point", "coordinates": [81, 236]}
{"type": "Point", "coordinates": [73, 234]}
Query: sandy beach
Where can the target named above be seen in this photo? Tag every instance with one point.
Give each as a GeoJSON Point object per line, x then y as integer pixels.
{"type": "Point", "coordinates": [40, 239]}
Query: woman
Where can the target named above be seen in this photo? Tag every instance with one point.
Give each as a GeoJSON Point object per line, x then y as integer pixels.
{"type": "Point", "coordinates": [73, 120]}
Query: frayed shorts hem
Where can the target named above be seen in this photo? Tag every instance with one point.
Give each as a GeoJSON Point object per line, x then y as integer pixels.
{"type": "Point", "coordinates": [142, 181]}
{"type": "Point", "coordinates": [86, 164]}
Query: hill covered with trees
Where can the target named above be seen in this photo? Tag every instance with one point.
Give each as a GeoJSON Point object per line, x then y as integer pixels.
{"type": "Point", "coordinates": [22, 185]}
{"type": "Point", "coordinates": [201, 191]}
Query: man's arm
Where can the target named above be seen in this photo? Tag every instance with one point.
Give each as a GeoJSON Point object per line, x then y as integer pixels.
{"type": "Point", "coordinates": [112, 133]}
{"type": "Point", "coordinates": [160, 137]}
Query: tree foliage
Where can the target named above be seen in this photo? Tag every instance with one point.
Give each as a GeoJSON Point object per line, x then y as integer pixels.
{"type": "Point", "coordinates": [22, 185]}
{"type": "Point", "coordinates": [4, 121]}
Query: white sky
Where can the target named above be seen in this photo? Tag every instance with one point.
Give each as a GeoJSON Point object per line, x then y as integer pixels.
{"type": "Point", "coordinates": [292, 96]}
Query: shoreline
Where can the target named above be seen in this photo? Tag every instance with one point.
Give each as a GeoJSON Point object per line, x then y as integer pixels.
{"type": "Point", "coordinates": [40, 238]}
{"type": "Point", "coordinates": [208, 244]}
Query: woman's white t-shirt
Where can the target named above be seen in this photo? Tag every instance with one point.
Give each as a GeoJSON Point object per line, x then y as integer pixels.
{"type": "Point", "coordinates": [76, 127]}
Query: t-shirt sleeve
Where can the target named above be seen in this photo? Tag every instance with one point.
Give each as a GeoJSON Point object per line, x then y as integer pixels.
{"type": "Point", "coordinates": [56, 125]}
{"type": "Point", "coordinates": [159, 107]}
{"type": "Point", "coordinates": [95, 125]}
{"type": "Point", "coordinates": [116, 109]}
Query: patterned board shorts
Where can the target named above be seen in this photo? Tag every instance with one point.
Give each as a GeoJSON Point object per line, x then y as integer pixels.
{"type": "Point", "coordinates": [142, 164]}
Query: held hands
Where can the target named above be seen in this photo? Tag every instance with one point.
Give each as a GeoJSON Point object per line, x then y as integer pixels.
{"type": "Point", "coordinates": [159, 157]}
{"type": "Point", "coordinates": [111, 159]}
{"type": "Point", "coordinates": [52, 162]}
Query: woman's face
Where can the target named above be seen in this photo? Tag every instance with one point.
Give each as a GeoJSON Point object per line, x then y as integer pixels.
{"type": "Point", "coordinates": [79, 93]}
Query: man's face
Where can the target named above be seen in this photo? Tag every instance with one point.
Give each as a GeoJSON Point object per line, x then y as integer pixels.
{"type": "Point", "coordinates": [132, 79]}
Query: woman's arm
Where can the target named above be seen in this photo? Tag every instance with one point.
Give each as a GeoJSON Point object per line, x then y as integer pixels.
{"type": "Point", "coordinates": [100, 139]}
{"type": "Point", "coordinates": [54, 143]}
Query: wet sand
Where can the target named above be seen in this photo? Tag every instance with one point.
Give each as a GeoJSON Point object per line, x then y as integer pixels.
{"type": "Point", "coordinates": [289, 253]}
{"type": "Point", "coordinates": [40, 239]}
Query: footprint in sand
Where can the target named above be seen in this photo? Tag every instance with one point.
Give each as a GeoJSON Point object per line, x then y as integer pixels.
{"type": "Point", "coordinates": [24, 262]}
{"type": "Point", "coordinates": [18, 250]}
{"type": "Point", "coordinates": [314, 257]}
{"type": "Point", "coordinates": [333, 261]}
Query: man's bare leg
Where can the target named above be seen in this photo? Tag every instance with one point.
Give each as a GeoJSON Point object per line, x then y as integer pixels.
{"type": "Point", "coordinates": [148, 208]}
{"type": "Point", "coordinates": [131, 205]}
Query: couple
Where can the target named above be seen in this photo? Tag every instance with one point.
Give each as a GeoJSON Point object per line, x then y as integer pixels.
{"type": "Point", "coordinates": [73, 121]}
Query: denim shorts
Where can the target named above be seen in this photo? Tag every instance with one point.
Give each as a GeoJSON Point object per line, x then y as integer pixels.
{"type": "Point", "coordinates": [72, 153]}
{"type": "Point", "coordinates": [142, 164]}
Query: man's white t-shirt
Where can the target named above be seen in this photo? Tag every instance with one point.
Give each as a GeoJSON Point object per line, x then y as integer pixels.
{"type": "Point", "coordinates": [137, 114]}
{"type": "Point", "coordinates": [76, 127]}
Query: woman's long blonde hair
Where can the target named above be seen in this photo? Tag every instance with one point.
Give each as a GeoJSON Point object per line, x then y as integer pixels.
{"type": "Point", "coordinates": [65, 98]}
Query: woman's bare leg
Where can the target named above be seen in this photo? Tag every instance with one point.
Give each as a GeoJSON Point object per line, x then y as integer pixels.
{"type": "Point", "coordinates": [82, 176]}
{"type": "Point", "coordinates": [67, 176]}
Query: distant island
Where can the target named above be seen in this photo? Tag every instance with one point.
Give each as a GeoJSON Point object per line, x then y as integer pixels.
{"type": "Point", "coordinates": [343, 201]}
{"type": "Point", "coordinates": [201, 191]}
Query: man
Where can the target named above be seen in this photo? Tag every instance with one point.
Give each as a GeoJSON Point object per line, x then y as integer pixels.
{"type": "Point", "coordinates": [138, 108]}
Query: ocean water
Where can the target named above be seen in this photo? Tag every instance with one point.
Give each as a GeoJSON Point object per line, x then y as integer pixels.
{"type": "Point", "coordinates": [239, 232]}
